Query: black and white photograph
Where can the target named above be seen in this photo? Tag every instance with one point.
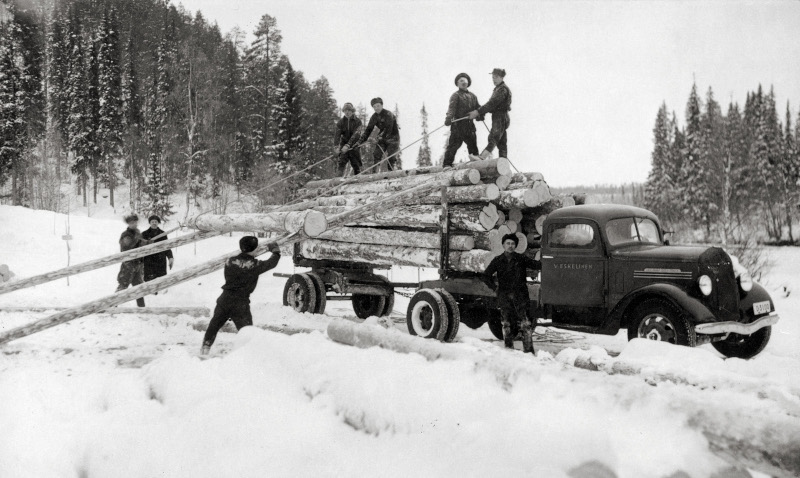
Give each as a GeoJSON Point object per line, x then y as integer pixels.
{"type": "Point", "coordinates": [400, 238]}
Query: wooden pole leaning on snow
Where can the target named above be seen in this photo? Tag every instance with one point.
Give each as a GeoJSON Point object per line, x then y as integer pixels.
{"type": "Point", "coordinates": [105, 261]}
{"type": "Point", "coordinates": [311, 223]}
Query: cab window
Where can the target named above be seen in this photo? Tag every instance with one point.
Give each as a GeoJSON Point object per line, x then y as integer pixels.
{"type": "Point", "coordinates": [632, 230]}
{"type": "Point", "coordinates": [575, 236]}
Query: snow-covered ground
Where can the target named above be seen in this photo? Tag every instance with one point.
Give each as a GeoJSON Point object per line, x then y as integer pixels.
{"type": "Point", "coordinates": [127, 395]}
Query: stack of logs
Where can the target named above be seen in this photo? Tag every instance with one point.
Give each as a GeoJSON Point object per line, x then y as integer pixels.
{"type": "Point", "coordinates": [485, 202]}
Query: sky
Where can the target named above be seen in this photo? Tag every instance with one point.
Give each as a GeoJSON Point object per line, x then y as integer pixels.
{"type": "Point", "coordinates": [587, 77]}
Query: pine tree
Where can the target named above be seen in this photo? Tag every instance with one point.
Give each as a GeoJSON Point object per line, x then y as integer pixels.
{"type": "Point", "coordinates": [659, 187]}
{"type": "Point", "coordinates": [424, 155]}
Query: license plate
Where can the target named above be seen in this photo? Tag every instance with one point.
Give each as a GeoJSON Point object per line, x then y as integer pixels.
{"type": "Point", "coordinates": [761, 308]}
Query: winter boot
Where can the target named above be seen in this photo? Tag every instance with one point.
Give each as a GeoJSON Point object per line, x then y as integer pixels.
{"type": "Point", "coordinates": [205, 350]}
{"type": "Point", "coordinates": [140, 302]}
{"type": "Point", "coordinates": [527, 337]}
{"type": "Point", "coordinates": [486, 154]}
{"type": "Point", "coordinates": [507, 338]}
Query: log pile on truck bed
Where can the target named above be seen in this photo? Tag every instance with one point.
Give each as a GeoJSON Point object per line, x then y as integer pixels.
{"type": "Point", "coordinates": [485, 201]}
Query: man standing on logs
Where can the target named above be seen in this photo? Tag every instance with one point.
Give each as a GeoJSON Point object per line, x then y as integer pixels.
{"type": "Point", "coordinates": [498, 105]}
{"type": "Point", "coordinates": [241, 278]}
{"type": "Point", "coordinates": [155, 265]}
{"type": "Point", "coordinates": [131, 272]}
{"type": "Point", "coordinates": [461, 130]}
{"type": "Point", "coordinates": [388, 139]}
{"type": "Point", "coordinates": [512, 291]}
{"type": "Point", "coordinates": [347, 133]}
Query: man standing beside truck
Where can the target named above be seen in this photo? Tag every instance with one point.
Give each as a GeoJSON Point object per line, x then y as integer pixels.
{"type": "Point", "coordinates": [512, 290]}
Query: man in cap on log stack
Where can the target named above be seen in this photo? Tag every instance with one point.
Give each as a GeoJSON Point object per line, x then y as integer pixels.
{"type": "Point", "coordinates": [155, 265]}
{"type": "Point", "coordinates": [498, 105]}
{"type": "Point", "coordinates": [131, 272]}
{"type": "Point", "coordinates": [512, 290]}
{"type": "Point", "coordinates": [388, 138]}
{"type": "Point", "coordinates": [347, 133]}
{"type": "Point", "coordinates": [461, 103]}
{"type": "Point", "coordinates": [241, 278]}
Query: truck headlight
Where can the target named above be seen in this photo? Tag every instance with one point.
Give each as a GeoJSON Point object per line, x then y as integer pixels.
{"type": "Point", "coordinates": [705, 284]}
{"type": "Point", "coordinates": [745, 281]}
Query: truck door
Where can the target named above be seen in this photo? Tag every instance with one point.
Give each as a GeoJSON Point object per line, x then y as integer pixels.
{"type": "Point", "coordinates": [573, 264]}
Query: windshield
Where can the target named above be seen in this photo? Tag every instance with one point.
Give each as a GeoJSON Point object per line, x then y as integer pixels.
{"type": "Point", "coordinates": [632, 230]}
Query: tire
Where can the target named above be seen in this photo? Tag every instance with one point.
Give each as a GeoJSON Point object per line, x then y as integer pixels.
{"type": "Point", "coordinates": [368, 305]}
{"type": "Point", "coordinates": [744, 346]}
{"type": "Point", "coordinates": [496, 325]}
{"type": "Point", "coordinates": [453, 315]}
{"type": "Point", "coordinates": [388, 307]}
{"type": "Point", "coordinates": [300, 293]}
{"type": "Point", "coordinates": [427, 315]}
{"type": "Point", "coordinates": [319, 288]}
{"type": "Point", "coordinates": [656, 319]}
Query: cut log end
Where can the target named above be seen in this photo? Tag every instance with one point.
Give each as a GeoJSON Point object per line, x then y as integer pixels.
{"type": "Point", "coordinates": [315, 223]}
{"type": "Point", "coordinates": [502, 182]}
{"type": "Point", "coordinates": [503, 167]}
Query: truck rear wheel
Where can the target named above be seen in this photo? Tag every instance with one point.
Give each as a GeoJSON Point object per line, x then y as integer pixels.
{"type": "Point", "coordinates": [368, 305]}
{"type": "Point", "coordinates": [744, 346]}
{"type": "Point", "coordinates": [300, 293]}
{"type": "Point", "coordinates": [427, 315]}
{"type": "Point", "coordinates": [453, 315]}
{"type": "Point", "coordinates": [319, 288]}
{"type": "Point", "coordinates": [656, 319]}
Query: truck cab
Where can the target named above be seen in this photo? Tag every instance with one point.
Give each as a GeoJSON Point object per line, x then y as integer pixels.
{"type": "Point", "coordinates": [608, 267]}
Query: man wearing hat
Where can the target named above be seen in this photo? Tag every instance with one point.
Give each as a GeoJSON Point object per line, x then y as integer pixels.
{"type": "Point", "coordinates": [347, 132]}
{"type": "Point", "coordinates": [241, 279]}
{"type": "Point", "coordinates": [155, 265]}
{"type": "Point", "coordinates": [389, 137]}
{"type": "Point", "coordinates": [498, 105]}
{"type": "Point", "coordinates": [463, 131]}
{"type": "Point", "coordinates": [131, 272]}
{"type": "Point", "coordinates": [511, 268]}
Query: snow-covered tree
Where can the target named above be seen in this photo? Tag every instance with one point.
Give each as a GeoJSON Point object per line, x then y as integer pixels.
{"type": "Point", "coordinates": [288, 115]}
{"type": "Point", "coordinates": [659, 189]}
{"type": "Point", "coordinates": [398, 159]}
{"type": "Point", "coordinates": [110, 126]}
{"type": "Point", "coordinates": [12, 110]}
{"type": "Point", "coordinates": [424, 155]}
{"type": "Point", "coordinates": [695, 192]}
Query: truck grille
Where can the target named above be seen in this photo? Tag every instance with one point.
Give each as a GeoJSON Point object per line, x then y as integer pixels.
{"type": "Point", "coordinates": [724, 300]}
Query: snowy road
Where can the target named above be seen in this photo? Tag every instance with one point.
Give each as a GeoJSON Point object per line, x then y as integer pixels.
{"type": "Point", "coordinates": [126, 395]}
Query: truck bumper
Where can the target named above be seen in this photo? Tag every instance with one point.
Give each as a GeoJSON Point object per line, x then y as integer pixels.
{"type": "Point", "coordinates": [737, 327]}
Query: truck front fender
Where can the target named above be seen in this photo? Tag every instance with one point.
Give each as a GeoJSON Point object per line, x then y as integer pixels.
{"type": "Point", "coordinates": [698, 313]}
{"type": "Point", "coordinates": [756, 294]}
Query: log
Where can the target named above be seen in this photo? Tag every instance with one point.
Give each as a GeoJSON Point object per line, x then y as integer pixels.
{"type": "Point", "coordinates": [512, 226]}
{"type": "Point", "coordinates": [463, 216]}
{"type": "Point", "coordinates": [486, 240]}
{"type": "Point", "coordinates": [537, 195]}
{"type": "Point", "coordinates": [105, 261]}
{"type": "Point", "coordinates": [455, 195]}
{"type": "Point", "coordinates": [390, 237]}
{"type": "Point", "coordinates": [502, 182]}
{"type": "Point", "coordinates": [469, 261]}
{"type": "Point", "coordinates": [501, 218]}
{"type": "Point", "coordinates": [311, 223]}
{"type": "Point", "coordinates": [533, 196]}
{"type": "Point", "coordinates": [522, 245]}
{"type": "Point", "coordinates": [526, 177]}
{"type": "Point", "coordinates": [464, 177]}
{"type": "Point", "coordinates": [488, 216]}
{"type": "Point", "coordinates": [515, 214]}
{"type": "Point", "coordinates": [171, 311]}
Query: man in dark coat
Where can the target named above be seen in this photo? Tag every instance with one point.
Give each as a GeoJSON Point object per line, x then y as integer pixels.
{"type": "Point", "coordinates": [241, 278]}
{"type": "Point", "coordinates": [131, 272]}
{"type": "Point", "coordinates": [461, 103]}
{"type": "Point", "coordinates": [498, 105]}
{"type": "Point", "coordinates": [155, 265]}
{"type": "Point", "coordinates": [389, 138]}
{"type": "Point", "coordinates": [512, 291]}
{"type": "Point", "coordinates": [348, 130]}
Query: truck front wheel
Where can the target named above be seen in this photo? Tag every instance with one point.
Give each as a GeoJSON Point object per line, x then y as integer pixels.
{"type": "Point", "coordinates": [658, 320]}
{"type": "Point", "coordinates": [744, 346]}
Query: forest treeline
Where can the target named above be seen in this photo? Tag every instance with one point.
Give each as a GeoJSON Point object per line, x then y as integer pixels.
{"type": "Point", "coordinates": [141, 94]}
{"type": "Point", "coordinates": [729, 175]}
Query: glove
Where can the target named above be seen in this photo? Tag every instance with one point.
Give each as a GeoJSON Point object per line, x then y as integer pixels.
{"type": "Point", "coordinates": [274, 248]}
{"type": "Point", "coordinates": [171, 261]}
{"type": "Point", "coordinates": [345, 148]}
{"type": "Point", "coordinates": [337, 150]}
{"type": "Point", "coordinates": [448, 121]}
{"type": "Point", "coordinates": [473, 114]}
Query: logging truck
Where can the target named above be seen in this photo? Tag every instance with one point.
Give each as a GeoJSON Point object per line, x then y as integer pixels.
{"type": "Point", "coordinates": [604, 268]}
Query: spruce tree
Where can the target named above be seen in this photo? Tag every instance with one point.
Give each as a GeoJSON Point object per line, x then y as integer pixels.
{"type": "Point", "coordinates": [659, 185]}
{"type": "Point", "coordinates": [110, 125]}
{"type": "Point", "coordinates": [12, 111]}
{"type": "Point", "coordinates": [711, 158]}
{"type": "Point", "coordinates": [424, 155]}
{"type": "Point", "coordinates": [398, 158]}
{"type": "Point", "coordinates": [288, 115]}
{"type": "Point", "coordinates": [695, 193]}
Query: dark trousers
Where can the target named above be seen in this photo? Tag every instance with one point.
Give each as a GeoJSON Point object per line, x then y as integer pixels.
{"type": "Point", "coordinates": [354, 158]}
{"type": "Point", "coordinates": [515, 307]}
{"type": "Point", "coordinates": [131, 273]}
{"type": "Point", "coordinates": [390, 148]}
{"type": "Point", "coordinates": [457, 137]}
{"type": "Point", "coordinates": [230, 307]}
{"type": "Point", "coordinates": [497, 135]}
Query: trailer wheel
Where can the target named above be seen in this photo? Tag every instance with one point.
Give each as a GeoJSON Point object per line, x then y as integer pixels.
{"type": "Point", "coordinates": [389, 306]}
{"type": "Point", "coordinates": [319, 288]}
{"type": "Point", "coordinates": [496, 324]}
{"type": "Point", "coordinates": [453, 315]}
{"type": "Point", "coordinates": [368, 305]}
{"type": "Point", "coordinates": [427, 315]}
{"type": "Point", "coordinates": [300, 293]}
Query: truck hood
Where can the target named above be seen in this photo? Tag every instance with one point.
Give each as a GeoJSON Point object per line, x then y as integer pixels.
{"type": "Point", "coordinates": [661, 253]}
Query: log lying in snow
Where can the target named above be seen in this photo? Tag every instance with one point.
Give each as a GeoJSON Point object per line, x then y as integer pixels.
{"type": "Point", "coordinates": [171, 311]}
{"type": "Point", "coordinates": [105, 261]}
{"type": "Point", "coordinates": [311, 223]}
{"type": "Point", "coordinates": [390, 237]}
{"type": "Point", "coordinates": [761, 440]}
{"type": "Point", "coordinates": [463, 177]}
{"type": "Point", "coordinates": [468, 261]}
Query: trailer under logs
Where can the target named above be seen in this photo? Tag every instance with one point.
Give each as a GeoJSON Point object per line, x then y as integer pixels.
{"type": "Point", "coordinates": [456, 229]}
